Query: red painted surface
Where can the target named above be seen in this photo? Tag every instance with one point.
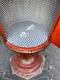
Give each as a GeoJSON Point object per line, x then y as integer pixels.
{"type": "Point", "coordinates": [55, 32]}
{"type": "Point", "coordinates": [24, 48]}
{"type": "Point", "coordinates": [55, 38]}
{"type": "Point", "coordinates": [27, 63]}
{"type": "Point", "coordinates": [54, 26]}
{"type": "Point", "coordinates": [2, 33]}
{"type": "Point", "coordinates": [33, 60]}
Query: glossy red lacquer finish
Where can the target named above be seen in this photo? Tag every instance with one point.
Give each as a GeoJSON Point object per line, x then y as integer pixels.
{"type": "Point", "coordinates": [54, 25]}
{"type": "Point", "coordinates": [54, 36]}
{"type": "Point", "coordinates": [2, 32]}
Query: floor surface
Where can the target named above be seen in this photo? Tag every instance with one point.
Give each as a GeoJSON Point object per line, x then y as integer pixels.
{"type": "Point", "coordinates": [53, 56]}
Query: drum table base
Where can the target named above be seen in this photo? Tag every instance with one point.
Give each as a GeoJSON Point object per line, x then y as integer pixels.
{"type": "Point", "coordinates": [27, 65]}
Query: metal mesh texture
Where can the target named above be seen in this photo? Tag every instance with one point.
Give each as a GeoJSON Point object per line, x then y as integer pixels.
{"type": "Point", "coordinates": [26, 34]}
{"type": "Point", "coordinates": [27, 23]}
{"type": "Point", "coordinates": [41, 11]}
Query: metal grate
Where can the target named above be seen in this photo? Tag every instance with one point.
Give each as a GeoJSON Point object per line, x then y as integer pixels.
{"type": "Point", "coordinates": [39, 11]}
{"type": "Point", "coordinates": [26, 34]}
{"type": "Point", "coordinates": [27, 22]}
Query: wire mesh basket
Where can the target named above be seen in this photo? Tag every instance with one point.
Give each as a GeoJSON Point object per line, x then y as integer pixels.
{"type": "Point", "coordinates": [27, 23]}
